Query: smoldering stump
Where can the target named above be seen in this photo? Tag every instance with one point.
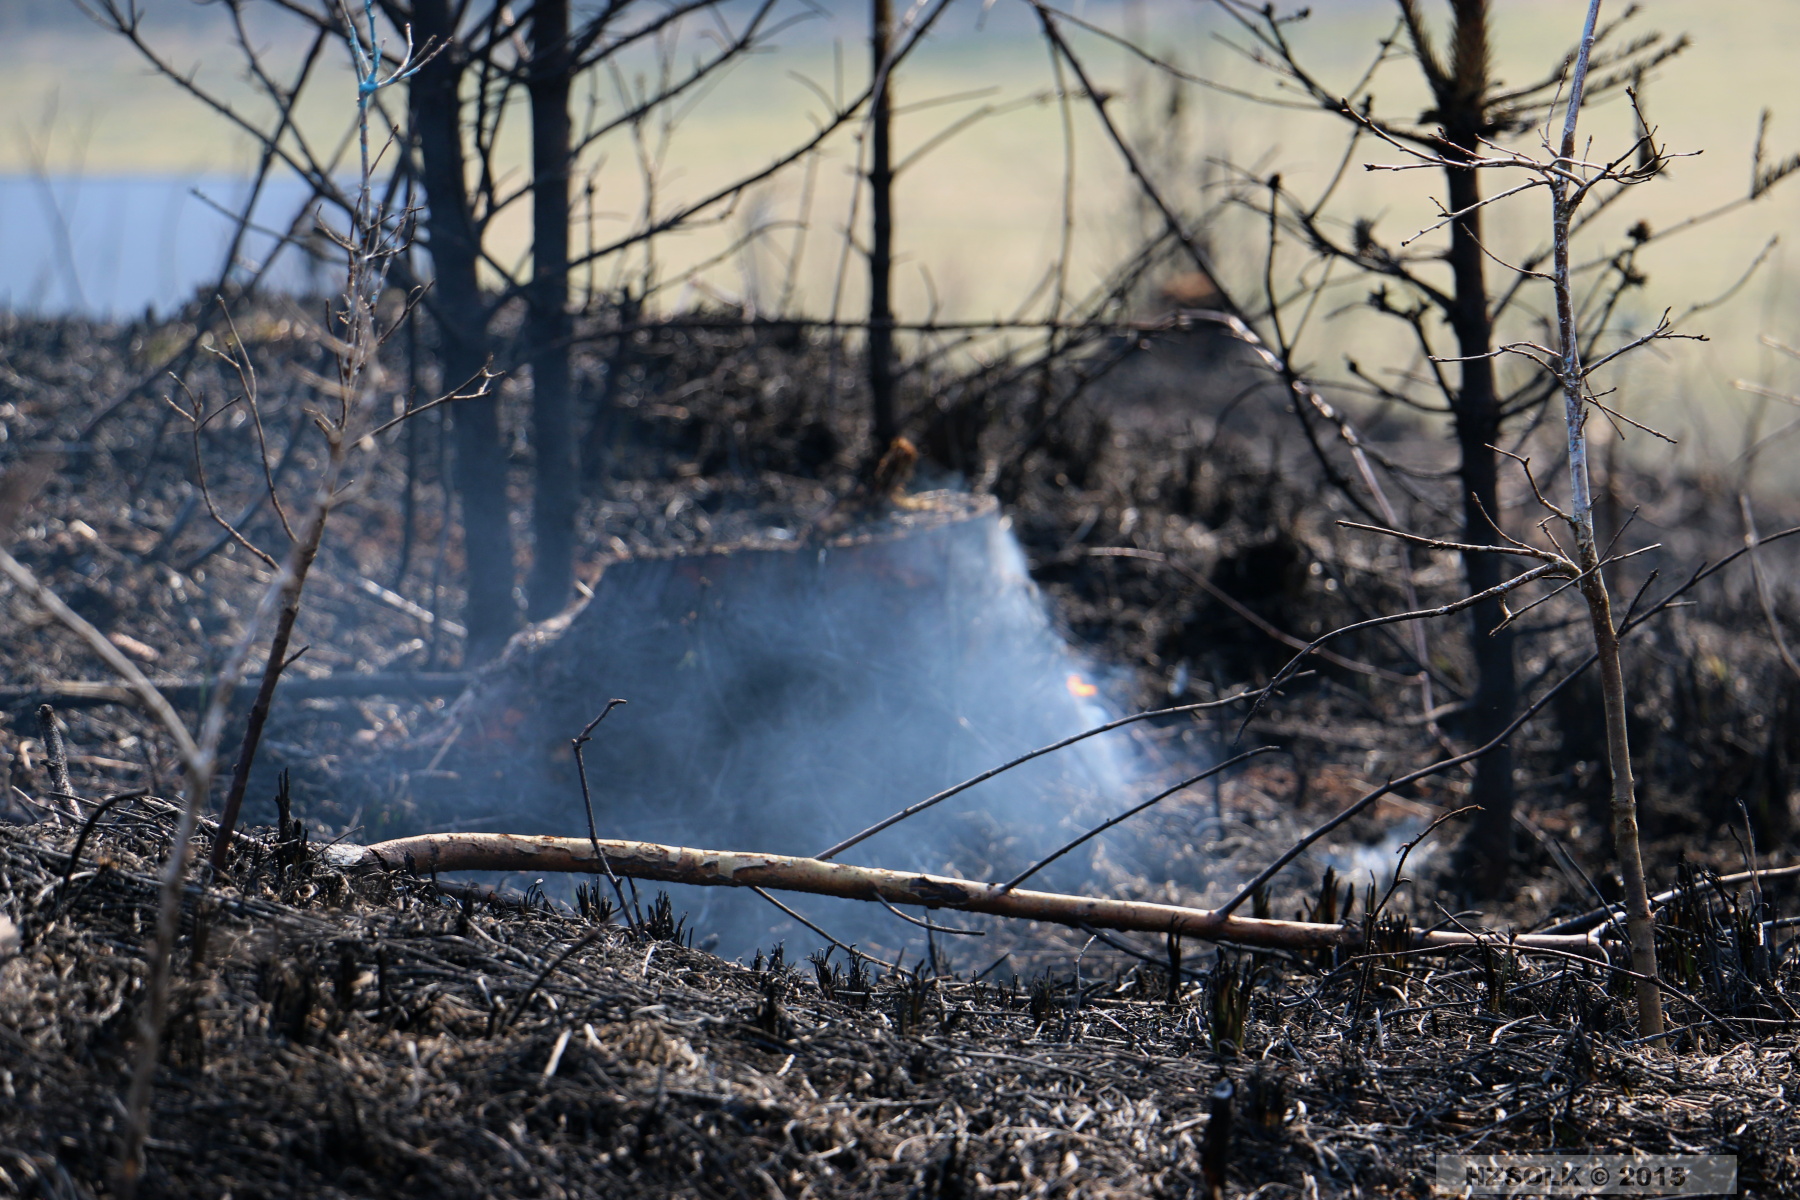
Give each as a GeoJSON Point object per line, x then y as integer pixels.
{"type": "Point", "coordinates": [784, 695]}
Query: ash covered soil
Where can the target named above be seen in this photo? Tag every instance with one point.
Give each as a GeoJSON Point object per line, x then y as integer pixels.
{"type": "Point", "coordinates": [354, 1035]}
{"type": "Point", "coordinates": [333, 1037]}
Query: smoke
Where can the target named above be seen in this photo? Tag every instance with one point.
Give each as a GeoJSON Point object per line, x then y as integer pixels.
{"type": "Point", "coordinates": [782, 698]}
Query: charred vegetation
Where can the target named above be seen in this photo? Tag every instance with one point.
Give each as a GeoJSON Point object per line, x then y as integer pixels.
{"type": "Point", "coordinates": [1121, 602]}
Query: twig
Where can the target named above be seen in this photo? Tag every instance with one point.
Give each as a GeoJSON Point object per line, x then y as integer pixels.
{"type": "Point", "coordinates": [851, 950]}
{"type": "Point", "coordinates": [1763, 596]}
{"type": "Point", "coordinates": [1362, 802]}
{"type": "Point", "coordinates": [1557, 568]}
{"type": "Point", "coordinates": [966, 784]}
{"type": "Point", "coordinates": [512, 1014]}
{"type": "Point", "coordinates": [927, 925]}
{"type": "Point", "coordinates": [1217, 593]}
{"type": "Point", "coordinates": [1566, 197]}
{"type": "Point", "coordinates": [578, 743]}
{"type": "Point", "coordinates": [56, 757]}
{"type": "Point", "coordinates": [293, 582]}
{"type": "Point", "coordinates": [1133, 811]}
{"type": "Point", "coordinates": [87, 828]}
{"type": "Point", "coordinates": [1406, 852]}
{"type": "Point", "coordinates": [190, 693]}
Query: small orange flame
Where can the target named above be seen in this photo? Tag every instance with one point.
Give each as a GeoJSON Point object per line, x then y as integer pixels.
{"type": "Point", "coordinates": [1081, 688]}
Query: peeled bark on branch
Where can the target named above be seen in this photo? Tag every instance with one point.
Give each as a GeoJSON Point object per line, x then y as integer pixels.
{"type": "Point", "coordinates": [428, 854]}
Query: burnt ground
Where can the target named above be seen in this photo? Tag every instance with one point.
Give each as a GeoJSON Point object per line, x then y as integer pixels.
{"type": "Point", "coordinates": [339, 1036]}
{"type": "Point", "coordinates": [342, 1038]}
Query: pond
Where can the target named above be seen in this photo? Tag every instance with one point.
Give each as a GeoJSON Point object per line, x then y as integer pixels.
{"type": "Point", "coordinates": [116, 246]}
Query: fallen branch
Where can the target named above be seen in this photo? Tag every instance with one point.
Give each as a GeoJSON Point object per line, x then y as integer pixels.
{"type": "Point", "coordinates": [137, 688]}
{"type": "Point", "coordinates": [193, 693]}
{"type": "Point", "coordinates": [428, 854]}
{"type": "Point", "coordinates": [1598, 916]}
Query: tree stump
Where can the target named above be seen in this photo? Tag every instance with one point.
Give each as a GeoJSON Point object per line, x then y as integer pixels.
{"type": "Point", "coordinates": [784, 695]}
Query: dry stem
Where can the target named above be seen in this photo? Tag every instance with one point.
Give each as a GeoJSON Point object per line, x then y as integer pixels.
{"type": "Point", "coordinates": [1640, 925]}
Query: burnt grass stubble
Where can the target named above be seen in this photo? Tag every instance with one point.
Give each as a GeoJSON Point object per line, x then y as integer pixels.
{"type": "Point", "coordinates": [336, 1035]}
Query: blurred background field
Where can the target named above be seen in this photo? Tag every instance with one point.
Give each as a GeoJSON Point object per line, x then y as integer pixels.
{"type": "Point", "coordinates": [101, 160]}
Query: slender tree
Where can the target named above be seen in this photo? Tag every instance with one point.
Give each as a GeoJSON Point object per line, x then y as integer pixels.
{"type": "Point", "coordinates": [557, 474]}
{"type": "Point", "coordinates": [1465, 109]}
{"type": "Point", "coordinates": [881, 247]}
{"type": "Point", "coordinates": [435, 109]}
{"type": "Point", "coordinates": [1470, 110]}
{"type": "Point", "coordinates": [1570, 183]}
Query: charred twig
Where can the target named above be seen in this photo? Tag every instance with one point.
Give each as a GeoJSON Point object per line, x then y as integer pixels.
{"type": "Point", "coordinates": [87, 828]}
{"type": "Point", "coordinates": [966, 784]}
{"type": "Point", "coordinates": [578, 743]}
{"type": "Point", "coordinates": [1556, 569]}
{"type": "Point", "coordinates": [293, 583]}
{"type": "Point", "coordinates": [1405, 852]}
{"type": "Point", "coordinates": [193, 693]}
{"type": "Point", "coordinates": [1216, 1152]}
{"type": "Point", "coordinates": [1367, 798]}
{"type": "Point", "coordinates": [850, 950]}
{"type": "Point", "coordinates": [510, 1015]}
{"type": "Point", "coordinates": [1133, 811]}
{"type": "Point", "coordinates": [1248, 614]}
{"type": "Point", "coordinates": [56, 757]}
{"type": "Point", "coordinates": [927, 925]}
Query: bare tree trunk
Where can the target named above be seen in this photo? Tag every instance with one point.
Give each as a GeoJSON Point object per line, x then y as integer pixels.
{"type": "Point", "coordinates": [1477, 430]}
{"type": "Point", "coordinates": [881, 249]}
{"type": "Point", "coordinates": [1463, 95]}
{"type": "Point", "coordinates": [435, 100]}
{"type": "Point", "coordinates": [555, 496]}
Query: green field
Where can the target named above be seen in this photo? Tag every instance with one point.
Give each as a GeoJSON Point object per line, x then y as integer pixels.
{"type": "Point", "coordinates": [979, 219]}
